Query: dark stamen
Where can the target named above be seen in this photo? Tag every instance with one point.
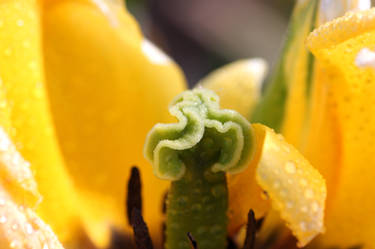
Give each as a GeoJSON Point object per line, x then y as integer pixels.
{"type": "Point", "coordinates": [231, 244]}
{"type": "Point", "coordinates": [193, 243]}
{"type": "Point", "coordinates": [259, 224]}
{"type": "Point", "coordinates": [120, 240]}
{"type": "Point", "coordinates": [356, 247]}
{"type": "Point", "coordinates": [250, 231]}
{"type": "Point", "coordinates": [141, 234]}
{"type": "Point", "coordinates": [134, 198]}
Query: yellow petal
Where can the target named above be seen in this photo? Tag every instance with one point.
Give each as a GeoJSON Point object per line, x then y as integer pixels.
{"type": "Point", "coordinates": [238, 84]}
{"type": "Point", "coordinates": [296, 189]}
{"type": "Point", "coordinates": [21, 228]}
{"type": "Point", "coordinates": [348, 96]}
{"type": "Point", "coordinates": [15, 173]}
{"type": "Point", "coordinates": [107, 86]}
{"type": "Point", "coordinates": [24, 111]}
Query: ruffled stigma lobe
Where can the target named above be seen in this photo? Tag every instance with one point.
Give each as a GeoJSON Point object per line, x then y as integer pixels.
{"type": "Point", "coordinates": [200, 120]}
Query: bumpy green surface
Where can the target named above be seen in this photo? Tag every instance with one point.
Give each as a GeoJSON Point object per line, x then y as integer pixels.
{"type": "Point", "coordinates": [195, 153]}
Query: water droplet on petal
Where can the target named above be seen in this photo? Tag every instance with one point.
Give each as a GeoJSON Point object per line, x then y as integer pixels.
{"type": "Point", "coordinates": [315, 207]}
{"type": "Point", "coordinates": [14, 227]}
{"type": "Point", "coordinates": [303, 182]}
{"type": "Point", "coordinates": [29, 229]}
{"type": "Point", "coordinates": [309, 193]}
{"type": "Point", "coordinates": [290, 167]}
{"type": "Point", "coordinates": [13, 244]}
{"type": "Point", "coordinates": [3, 219]}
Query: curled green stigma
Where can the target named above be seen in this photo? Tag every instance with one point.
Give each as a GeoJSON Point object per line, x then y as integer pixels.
{"type": "Point", "coordinates": [199, 117]}
{"type": "Point", "coordinates": [195, 154]}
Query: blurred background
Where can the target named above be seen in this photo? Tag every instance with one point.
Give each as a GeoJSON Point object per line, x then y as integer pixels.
{"type": "Point", "coordinates": [201, 35]}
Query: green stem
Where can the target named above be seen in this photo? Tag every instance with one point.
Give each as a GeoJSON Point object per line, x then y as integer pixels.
{"type": "Point", "coordinates": [197, 203]}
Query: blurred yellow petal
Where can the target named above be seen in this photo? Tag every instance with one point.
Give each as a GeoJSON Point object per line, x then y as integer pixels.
{"type": "Point", "coordinates": [24, 112]}
{"type": "Point", "coordinates": [238, 84]}
{"type": "Point", "coordinates": [107, 86]}
{"type": "Point", "coordinates": [296, 189]}
{"type": "Point", "coordinates": [348, 91]}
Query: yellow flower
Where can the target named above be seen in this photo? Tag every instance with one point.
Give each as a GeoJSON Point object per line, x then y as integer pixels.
{"type": "Point", "coordinates": [77, 94]}
{"type": "Point", "coordinates": [80, 88]}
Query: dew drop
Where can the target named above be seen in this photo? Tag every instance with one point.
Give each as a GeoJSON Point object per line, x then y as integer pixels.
{"type": "Point", "coordinates": [303, 182]}
{"type": "Point", "coordinates": [302, 225]}
{"type": "Point", "coordinates": [290, 167]}
{"type": "Point", "coordinates": [29, 229]}
{"type": "Point", "coordinates": [309, 193]}
{"type": "Point", "coordinates": [45, 246]}
{"type": "Point", "coordinates": [286, 149]}
{"type": "Point", "coordinates": [3, 219]}
{"type": "Point", "coordinates": [13, 244]}
{"type": "Point", "coordinates": [315, 207]}
{"type": "Point", "coordinates": [14, 227]}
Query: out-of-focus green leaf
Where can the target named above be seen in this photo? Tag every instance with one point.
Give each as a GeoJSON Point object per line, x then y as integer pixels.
{"type": "Point", "coordinates": [295, 66]}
